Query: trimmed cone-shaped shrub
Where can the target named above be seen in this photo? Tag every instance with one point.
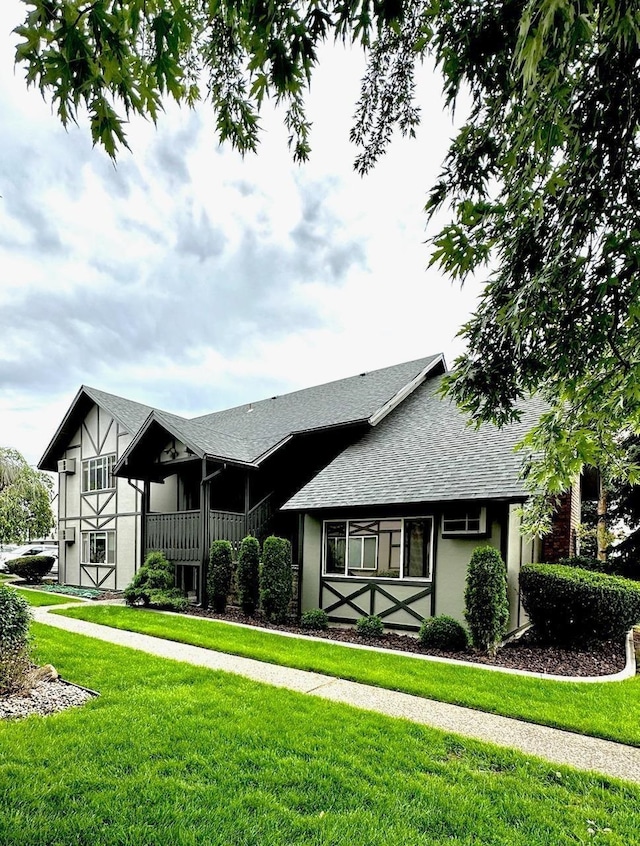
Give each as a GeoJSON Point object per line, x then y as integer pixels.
{"type": "Point", "coordinates": [276, 582]}
{"type": "Point", "coordinates": [15, 617]}
{"type": "Point", "coordinates": [220, 574]}
{"type": "Point", "coordinates": [248, 575]}
{"type": "Point", "coordinates": [443, 633]}
{"type": "Point", "coordinates": [157, 574]}
{"type": "Point", "coordinates": [485, 599]}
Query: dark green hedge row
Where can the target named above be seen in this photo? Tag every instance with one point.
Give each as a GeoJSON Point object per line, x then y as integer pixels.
{"type": "Point", "coordinates": [568, 604]}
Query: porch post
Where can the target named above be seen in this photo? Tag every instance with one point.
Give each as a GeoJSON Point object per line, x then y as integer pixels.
{"type": "Point", "coordinates": [204, 534]}
{"type": "Point", "coordinates": [144, 510]}
{"type": "Point", "coordinates": [247, 504]}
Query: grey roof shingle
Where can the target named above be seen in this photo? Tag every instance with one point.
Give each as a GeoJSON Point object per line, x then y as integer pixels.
{"type": "Point", "coordinates": [247, 432]}
{"type": "Point", "coordinates": [423, 451]}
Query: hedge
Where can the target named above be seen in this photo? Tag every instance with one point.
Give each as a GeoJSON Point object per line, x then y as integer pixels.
{"type": "Point", "coordinates": [485, 599]}
{"type": "Point", "coordinates": [569, 604]}
{"type": "Point", "coordinates": [248, 575]}
{"type": "Point", "coordinates": [220, 574]}
{"type": "Point", "coordinates": [276, 582]}
{"type": "Point", "coordinates": [32, 568]}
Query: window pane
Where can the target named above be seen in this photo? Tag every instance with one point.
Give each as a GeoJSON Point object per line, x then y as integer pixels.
{"type": "Point", "coordinates": [111, 547]}
{"type": "Point", "coordinates": [355, 553]}
{"type": "Point", "coordinates": [335, 553]}
{"type": "Point", "coordinates": [417, 549]}
{"type": "Point", "coordinates": [369, 554]}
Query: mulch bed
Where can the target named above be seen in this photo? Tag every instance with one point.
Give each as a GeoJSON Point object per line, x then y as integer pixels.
{"type": "Point", "coordinates": [525, 653]}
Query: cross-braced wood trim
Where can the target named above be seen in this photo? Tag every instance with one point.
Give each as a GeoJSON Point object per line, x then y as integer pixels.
{"type": "Point", "coordinates": [346, 600]}
{"type": "Point", "coordinates": [372, 589]}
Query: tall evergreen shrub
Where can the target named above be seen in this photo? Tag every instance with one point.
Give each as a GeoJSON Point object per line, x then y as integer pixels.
{"type": "Point", "coordinates": [220, 574]}
{"type": "Point", "coordinates": [276, 583]}
{"type": "Point", "coordinates": [248, 574]}
{"type": "Point", "coordinates": [15, 617]}
{"type": "Point", "coordinates": [485, 598]}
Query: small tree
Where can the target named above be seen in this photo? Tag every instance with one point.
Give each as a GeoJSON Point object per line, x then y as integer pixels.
{"type": "Point", "coordinates": [220, 574]}
{"type": "Point", "coordinates": [15, 662]}
{"type": "Point", "coordinates": [248, 574]}
{"type": "Point", "coordinates": [25, 499]}
{"type": "Point", "coordinates": [276, 584]}
{"type": "Point", "coordinates": [485, 597]}
{"type": "Point", "coordinates": [154, 584]}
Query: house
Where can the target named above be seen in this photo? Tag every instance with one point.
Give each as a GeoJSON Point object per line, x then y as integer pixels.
{"type": "Point", "coordinates": [378, 481]}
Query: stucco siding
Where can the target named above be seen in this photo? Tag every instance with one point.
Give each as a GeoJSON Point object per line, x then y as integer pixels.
{"type": "Point", "coordinates": [311, 563]}
{"type": "Point", "coordinates": [452, 559]}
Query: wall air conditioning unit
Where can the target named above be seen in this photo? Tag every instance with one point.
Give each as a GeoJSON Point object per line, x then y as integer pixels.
{"type": "Point", "coordinates": [67, 465]}
{"type": "Point", "coordinates": [68, 535]}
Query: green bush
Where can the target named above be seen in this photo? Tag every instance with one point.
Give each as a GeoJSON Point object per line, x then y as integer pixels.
{"type": "Point", "coordinates": [443, 633]}
{"type": "Point", "coordinates": [248, 575]}
{"type": "Point", "coordinates": [156, 574]}
{"type": "Point", "coordinates": [485, 599]}
{"type": "Point", "coordinates": [585, 562]}
{"type": "Point", "coordinates": [315, 619]}
{"type": "Point", "coordinates": [32, 568]}
{"type": "Point", "coordinates": [370, 626]}
{"type": "Point", "coordinates": [276, 582]}
{"type": "Point", "coordinates": [220, 574]}
{"type": "Point", "coordinates": [15, 662]}
{"type": "Point", "coordinates": [168, 600]}
{"type": "Point", "coordinates": [567, 604]}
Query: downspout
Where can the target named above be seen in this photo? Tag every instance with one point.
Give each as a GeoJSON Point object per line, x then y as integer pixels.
{"type": "Point", "coordinates": [139, 559]}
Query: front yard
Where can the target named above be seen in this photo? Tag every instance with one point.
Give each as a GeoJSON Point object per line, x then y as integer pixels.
{"type": "Point", "coordinates": [603, 709]}
{"type": "Point", "coordinates": [174, 754]}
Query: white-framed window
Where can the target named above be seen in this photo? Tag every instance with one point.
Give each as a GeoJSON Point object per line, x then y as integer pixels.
{"type": "Point", "coordinates": [97, 474]}
{"type": "Point", "coordinates": [465, 520]}
{"type": "Point", "coordinates": [98, 547]}
{"type": "Point", "coordinates": [385, 548]}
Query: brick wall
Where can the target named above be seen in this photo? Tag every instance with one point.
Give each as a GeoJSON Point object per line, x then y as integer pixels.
{"type": "Point", "coordinates": [561, 541]}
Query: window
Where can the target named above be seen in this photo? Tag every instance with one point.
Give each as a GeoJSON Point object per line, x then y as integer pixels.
{"type": "Point", "coordinates": [98, 547]}
{"type": "Point", "coordinates": [383, 549]}
{"type": "Point", "coordinates": [469, 520]}
{"type": "Point", "coordinates": [97, 474]}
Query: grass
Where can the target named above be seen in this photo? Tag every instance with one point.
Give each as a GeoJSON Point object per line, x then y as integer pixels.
{"type": "Point", "coordinates": [603, 709]}
{"type": "Point", "coordinates": [174, 755]}
{"type": "Point", "coordinates": [39, 598]}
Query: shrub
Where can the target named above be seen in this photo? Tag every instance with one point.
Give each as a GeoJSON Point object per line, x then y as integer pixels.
{"type": "Point", "coordinates": [315, 619]}
{"type": "Point", "coordinates": [168, 600]}
{"type": "Point", "coordinates": [15, 662]}
{"type": "Point", "coordinates": [32, 568]}
{"type": "Point", "coordinates": [370, 626]}
{"type": "Point", "coordinates": [443, 633]}
{"type": "Point", "coordinates": [568, 604]}
{"type": "Point", "coordinates": [248, 575]}
{"type": "Point", "coordinates": [220, 574]}
{"type": "Point", "coordinates": [156, 574]}
{"type": "Point", "coordinates": [276, 583]}
{"type": "Point", "coordinates": [485, 598]}
{"type": "Point", "coordinates": [585, 562]}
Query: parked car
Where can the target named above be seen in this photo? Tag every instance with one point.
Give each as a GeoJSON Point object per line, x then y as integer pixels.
{"type": "Point", "coordinates": [8, 554]}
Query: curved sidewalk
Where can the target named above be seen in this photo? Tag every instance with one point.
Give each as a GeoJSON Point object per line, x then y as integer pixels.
{"type": "Point", "coordinates": [554, 745]}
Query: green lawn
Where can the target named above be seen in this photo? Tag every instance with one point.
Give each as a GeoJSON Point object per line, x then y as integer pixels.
{"type": "Point", "coordinates": [39, 598]}
{"type": "Point", "coordinates": [178, 755]}
{"type": "Point", "coordinates": [610, 710]}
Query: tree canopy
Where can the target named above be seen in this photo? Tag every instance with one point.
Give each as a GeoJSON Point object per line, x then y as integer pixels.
{"type": "Point", "coordinates": [25, 499]}
{"type": "Point", "coordinates": [540, 183]}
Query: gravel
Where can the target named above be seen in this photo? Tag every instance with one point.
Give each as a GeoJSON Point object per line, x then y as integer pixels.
{"type": "Point", "coordinates": [47, 697]}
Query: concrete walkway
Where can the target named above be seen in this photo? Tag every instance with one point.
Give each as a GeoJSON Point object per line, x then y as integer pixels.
{"type": "Point", "coordinates": [559, 747]}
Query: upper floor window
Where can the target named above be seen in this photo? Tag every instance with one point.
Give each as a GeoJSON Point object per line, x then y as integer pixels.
{"type": "Point", "coordinates": [97, 473]}
{"type": "Point", "coordinates": [467, 520]}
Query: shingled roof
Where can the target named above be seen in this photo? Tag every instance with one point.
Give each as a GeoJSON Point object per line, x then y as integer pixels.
{"type": "Point", "coordinates": [248, 433]}
{"type": "Point", "coordinates": [423, 452]}
{"type": "Point", "coordinates": [129, 414]}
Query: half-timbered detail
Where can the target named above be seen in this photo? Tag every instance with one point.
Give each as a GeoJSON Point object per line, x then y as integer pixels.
{"type": "Point", "coordinates": [378, 482]}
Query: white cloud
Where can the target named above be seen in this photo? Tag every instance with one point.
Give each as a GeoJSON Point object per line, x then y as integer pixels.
{"type": "Point", "coordinates": [193, 279]}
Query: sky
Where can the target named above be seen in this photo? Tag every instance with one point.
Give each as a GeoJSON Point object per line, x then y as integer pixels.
{"type": "Point", "coordinates": [191, 279]}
